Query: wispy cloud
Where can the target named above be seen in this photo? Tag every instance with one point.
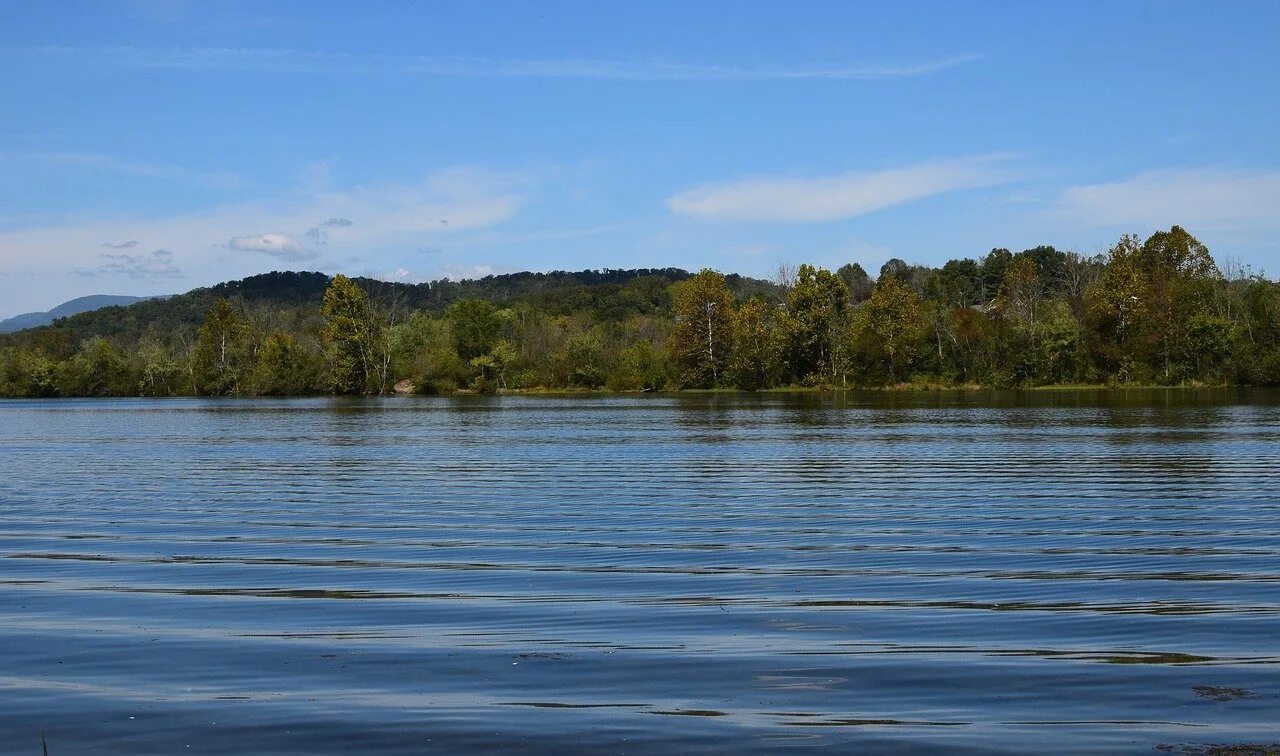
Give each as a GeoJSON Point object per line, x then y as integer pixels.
{"type": "Point", "coordinates": [281, 246]}
{"type": "Point", "coordinates": [829, 198]}
{"type": "Point", "coordinates": [1206, 198]}
{"type": "Point", "coordinates": [158, 264]}
{"type": "Point", "coordinates": [228, 240]}
{"type": "Point", "coordinates": [319, 233]}
{"type": "Point", "coordinates": [313, 62]}
{"type": "Point", "coordinates": [122, 245]}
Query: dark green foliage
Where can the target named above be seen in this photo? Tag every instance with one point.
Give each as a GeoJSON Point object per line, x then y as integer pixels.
{"type": "Point", "coordinates": [98, 369]}
{"type": "Point", "coordinates": [285, 368]}
{"type": "Point", "coordinates": [959, 283]}
{"type": "Point", "coordinates": [856, 281]}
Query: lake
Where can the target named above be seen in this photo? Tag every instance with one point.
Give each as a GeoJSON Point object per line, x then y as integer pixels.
{"type": "Point", "coordinates": [871, 572]}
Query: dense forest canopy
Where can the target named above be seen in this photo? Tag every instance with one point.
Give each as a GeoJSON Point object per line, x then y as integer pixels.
{"type": "Point", "coordinates": [1158, 311]}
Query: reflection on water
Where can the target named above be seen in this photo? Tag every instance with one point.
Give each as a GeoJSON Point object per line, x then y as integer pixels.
{"type": "Point", "coordinates": [1049, 571]}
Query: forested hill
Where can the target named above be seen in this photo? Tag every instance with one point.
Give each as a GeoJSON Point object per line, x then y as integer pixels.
{"type": "Point", "coordinates": [611, 293]}
{"type": "Point", "coordinates": [66, 309]}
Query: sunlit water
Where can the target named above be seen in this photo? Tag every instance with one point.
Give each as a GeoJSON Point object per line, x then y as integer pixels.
{"type": "Point", "coordinates": [869, 572]}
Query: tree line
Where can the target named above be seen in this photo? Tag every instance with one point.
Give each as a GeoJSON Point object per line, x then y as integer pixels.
{"type": "Point", "coordinates": [1158, 311]}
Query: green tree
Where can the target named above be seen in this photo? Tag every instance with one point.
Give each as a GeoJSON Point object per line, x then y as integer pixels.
{"type": "Point", "coordinates": [493, 366]}
{"type": "Point", "coordinates": [477, 326]}
{"type": "Point", "coordinates": [813, 324]}
{"type": "Point", "coordinates": [641, 367]}
{"type": "Point", "coordinates": [284, 368]}
{"type": "Point", "coordinates": [888, 329]}
{"type": "Point", "coordinates": [1146, 299]}
{"type": "Point", "coordinates": [98, 369]}
{"type": "Point", "coordinates": [351, 336]}
{"type": "Point", "coordinates": [856, 280]}
{"type": "Point", "coordinates": [223, 351]}
{"type": "Point", "coordinates": [993, 269]}
{"type": "Point", "coordinates": [702, 336]}
{"type": "Point", "coordinates": [1180, 274]}
{"type": "Point", "coordinates": [27, 372]}
{"type": "Point", "coordinates": [958, 283]}
{"type": "Point", "coordinates": [160, 374]}
{"type": "Point", "coordinates": [585, 360]}
{"type": "Point", "coordinates": [755, 346]}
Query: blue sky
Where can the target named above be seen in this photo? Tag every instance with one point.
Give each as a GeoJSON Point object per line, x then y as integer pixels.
{"type": "Point", "coordinates": [151, 147]}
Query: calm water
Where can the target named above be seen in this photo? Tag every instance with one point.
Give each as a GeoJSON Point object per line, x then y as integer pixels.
{"type": "Point", "coordinates": [1060, 571]}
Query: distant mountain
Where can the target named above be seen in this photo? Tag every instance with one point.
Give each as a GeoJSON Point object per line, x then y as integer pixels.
{"type": "Point", "coordinates": [66, 309]}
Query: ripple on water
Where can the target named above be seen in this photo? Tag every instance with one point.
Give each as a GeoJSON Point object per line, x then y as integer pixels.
{"type": "Point", "coordinates": [960, 572]}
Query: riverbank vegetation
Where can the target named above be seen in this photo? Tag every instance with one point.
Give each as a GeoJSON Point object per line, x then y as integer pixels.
{"type": "Point", "coordinates": [1159, 311]}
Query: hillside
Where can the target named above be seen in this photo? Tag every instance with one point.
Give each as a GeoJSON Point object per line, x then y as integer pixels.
{"type": "Point", "coordinates": [66, 309]}
{"type": "Point", "coordinates": [611, 293]}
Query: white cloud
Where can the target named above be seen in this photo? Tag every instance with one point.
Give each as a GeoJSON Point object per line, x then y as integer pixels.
{"type": "Point", "coordinates": [829, 198]}
{"type": "Point", "coordinates": [278, 245]}
{"type": "Point", "coordinates": [297, 61]}
{"type": "Point", "coordinates": [158, 264]}
{"type": "Point", "coordinates": [458, 272]}
{"type": "Point", "coordinates": [1202, 197]}
{"type": "Point", "coordinates": [405, 216]}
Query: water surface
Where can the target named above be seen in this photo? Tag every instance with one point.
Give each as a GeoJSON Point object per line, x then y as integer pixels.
{"type": "Point", "coordinates": [1060, 571]}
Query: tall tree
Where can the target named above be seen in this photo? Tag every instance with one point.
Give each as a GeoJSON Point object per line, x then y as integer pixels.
{"type": "Point", "coordinates": [351, 335]}
{"type": "Point", "coordinates": [813, 322]}
{"type": "Point", "coordinates": [223, 351]}
{"type": "Point", "coordinates": [754, 345]}
{"type": "Point", "coordinates": [1179, 274]}
{"type": "Point", "coordinates": [994, 265]}
{"type": "Point", "coordinates": [703, 328]}
{"type": "Point", "coordinates": [889, 328]}
{"type": "Point", "coordinates": [1145, 302]}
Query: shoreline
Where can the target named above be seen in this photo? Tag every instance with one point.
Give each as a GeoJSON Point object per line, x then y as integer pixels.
{"type": "Point", "coordinates": [903, 389]}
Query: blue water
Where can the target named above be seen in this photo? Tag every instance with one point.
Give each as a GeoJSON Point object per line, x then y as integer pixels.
{"type": "Point", "coordinates": [1050, 572]}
